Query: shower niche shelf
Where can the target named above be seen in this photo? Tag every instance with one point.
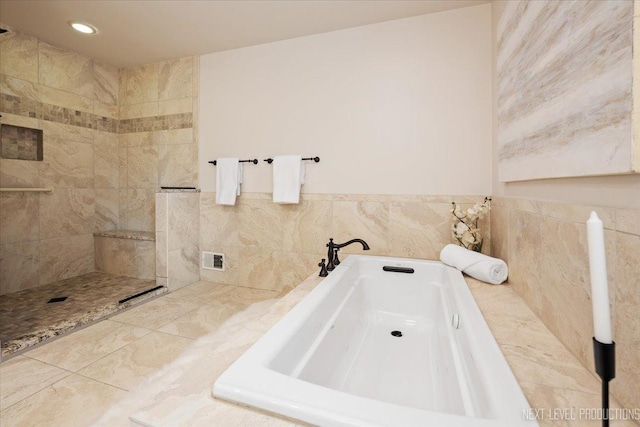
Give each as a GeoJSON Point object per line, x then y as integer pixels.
{"type": "Point", "coordinates": [20, 143]}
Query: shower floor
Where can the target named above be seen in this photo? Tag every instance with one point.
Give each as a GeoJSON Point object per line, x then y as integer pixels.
{"type": "Point", "coordinates": [28, 318]}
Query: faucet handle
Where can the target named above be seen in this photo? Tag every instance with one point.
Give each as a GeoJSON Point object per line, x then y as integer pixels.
{"type": "Point", "coordinates": [323, 269]}
{"type": "Point", "coordinates": [330, 255]}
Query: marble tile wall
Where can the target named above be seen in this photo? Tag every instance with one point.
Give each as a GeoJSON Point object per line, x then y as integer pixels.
{"type": "Point", "coordinates": [126, 257]}
{"type": "Point", "coordinates": [636, 87]}
{"type": "Point", "coordinates": [74, 101]}
{"type": "Point", "coordinates": [271, 246]}
{"type": "Point", "coordinates": [545, 245]}
{"type": "Point", "coordinates": [111, 138]}
{"type": "Point", "coordinates": [158, 142]}
{"type": "Point", "coordinates": [177, 238]}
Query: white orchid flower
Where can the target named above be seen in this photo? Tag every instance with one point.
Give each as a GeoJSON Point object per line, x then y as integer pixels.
{"type": "Point", "coordinates": [468, 238]}
{"type": "Point", "coordinates": [464, 227]}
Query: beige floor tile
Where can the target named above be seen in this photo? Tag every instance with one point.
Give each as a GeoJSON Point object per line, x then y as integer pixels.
{"type": "Point", "coordinates": [200, 292]}
{"type": "Point", "coordinates": [202, 320]}
{"type": "Point", "coordinates": [72, 401]}
{"type": "Point", "coordinates": [21, 377]}
{"type": "Point", "coordinates": [183, 395]}
{"type": "Point", "coordinates": [209, 292]}
{"type": "Point", "coordinates": [131, 364]}
{"type": "Point", "coordinates": [75, 351]}
{"type": "Point", "coordinates": [156, 313]}
{"type": "Point", "coordinates": [247, 295]}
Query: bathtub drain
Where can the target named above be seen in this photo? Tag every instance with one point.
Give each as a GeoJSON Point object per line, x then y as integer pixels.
{"type": "Point", "coordinates": [396, 333]}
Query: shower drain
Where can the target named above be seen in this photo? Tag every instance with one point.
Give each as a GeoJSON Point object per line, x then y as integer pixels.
{"type": "Point", "coordinates": [396, 333]}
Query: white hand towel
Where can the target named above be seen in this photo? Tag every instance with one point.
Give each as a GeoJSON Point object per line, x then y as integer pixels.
{"type": "Point", "coordinates": [475, 264]}
{"type": "Point", "coordinates": [240, 178]}
{"type": "Point", "coordinates": [228, 180]}
{"type": "Point", "coordinates": [288, 177]}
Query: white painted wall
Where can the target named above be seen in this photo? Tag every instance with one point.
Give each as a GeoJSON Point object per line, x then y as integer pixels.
{"type": "Point", "coordinates": [401, 107]}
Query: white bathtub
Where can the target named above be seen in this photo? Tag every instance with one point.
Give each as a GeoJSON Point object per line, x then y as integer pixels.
{"type": "Point", "coordinates": [333, 361]}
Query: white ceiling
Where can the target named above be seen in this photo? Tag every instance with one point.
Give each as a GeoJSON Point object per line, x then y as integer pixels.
{"type": "Point", "coordinates": [138, 32]}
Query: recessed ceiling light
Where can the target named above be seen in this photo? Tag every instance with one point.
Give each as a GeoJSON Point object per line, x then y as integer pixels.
{"type": "Point", "coordinates": [83, 27]}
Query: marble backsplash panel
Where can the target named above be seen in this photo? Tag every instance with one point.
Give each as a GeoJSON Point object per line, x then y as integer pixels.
{"type": "Point", "coordinates": [272, 246]}
{"type": "Point", "coordinates": [545, 246]}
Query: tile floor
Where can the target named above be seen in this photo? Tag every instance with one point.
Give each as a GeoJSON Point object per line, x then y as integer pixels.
{"type": "Point", "coordinates": [74, 379]}
{"type": "Point", "coordinates": [180, 394]}
{"type": "Point", "coordinates": [26, 317]}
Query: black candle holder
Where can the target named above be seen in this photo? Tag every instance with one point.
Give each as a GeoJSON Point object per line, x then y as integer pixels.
{"type": "Point", "coordinates": [604, 356]}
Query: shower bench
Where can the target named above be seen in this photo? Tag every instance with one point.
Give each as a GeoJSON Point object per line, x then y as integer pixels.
{"type": "Point", "coordinates": [128, 253]}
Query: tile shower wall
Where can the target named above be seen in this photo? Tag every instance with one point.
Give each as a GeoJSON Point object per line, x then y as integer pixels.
{"type": "Point", "coordinates": [74, 101]}
{"type": "Point", "coordinates": [111, 138]}
{"type": "Point", "coordinates": [545, 245]}
{"type": "Point", "coordinates": [157, 144]}
{"type": "Point", "coordinates": [177, 237]}
{"type": "Point", "coordinates": [271, 246]}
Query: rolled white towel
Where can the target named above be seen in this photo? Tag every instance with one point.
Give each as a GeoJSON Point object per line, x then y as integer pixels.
{"type": "Point", "coordinates": [479, 266]}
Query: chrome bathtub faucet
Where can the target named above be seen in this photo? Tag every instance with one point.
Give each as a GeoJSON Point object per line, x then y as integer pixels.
{"type": "Point", "coordinates": [332, 253]}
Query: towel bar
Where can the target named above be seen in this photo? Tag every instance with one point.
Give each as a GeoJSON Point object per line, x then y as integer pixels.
{"type": "Point", "coordinates": [315, 159]}
{"type": "Point", "coordinates": [254, 161]}
{"type": "Point", "coordinates": [30, 190]}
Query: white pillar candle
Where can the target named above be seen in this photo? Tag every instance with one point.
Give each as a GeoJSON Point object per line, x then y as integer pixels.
{"type": "Point", "coordinates": [599, 288]}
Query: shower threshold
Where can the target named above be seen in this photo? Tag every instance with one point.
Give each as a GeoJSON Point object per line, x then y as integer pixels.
{"type": "Point", "coordinates": [32, 316]}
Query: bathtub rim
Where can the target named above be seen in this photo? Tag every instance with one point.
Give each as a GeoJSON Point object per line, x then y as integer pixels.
{"type": "Point", "coordinates": [249, 380]}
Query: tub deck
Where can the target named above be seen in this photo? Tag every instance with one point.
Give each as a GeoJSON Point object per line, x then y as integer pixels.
{"type": "Point", "coordinates": [550, 378]}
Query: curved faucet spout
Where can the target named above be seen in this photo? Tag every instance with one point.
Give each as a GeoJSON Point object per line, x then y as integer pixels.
{"type": "Point", "coordinates": [365, 247]}
{"type": "Point", "coordinates": [333, 249]}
